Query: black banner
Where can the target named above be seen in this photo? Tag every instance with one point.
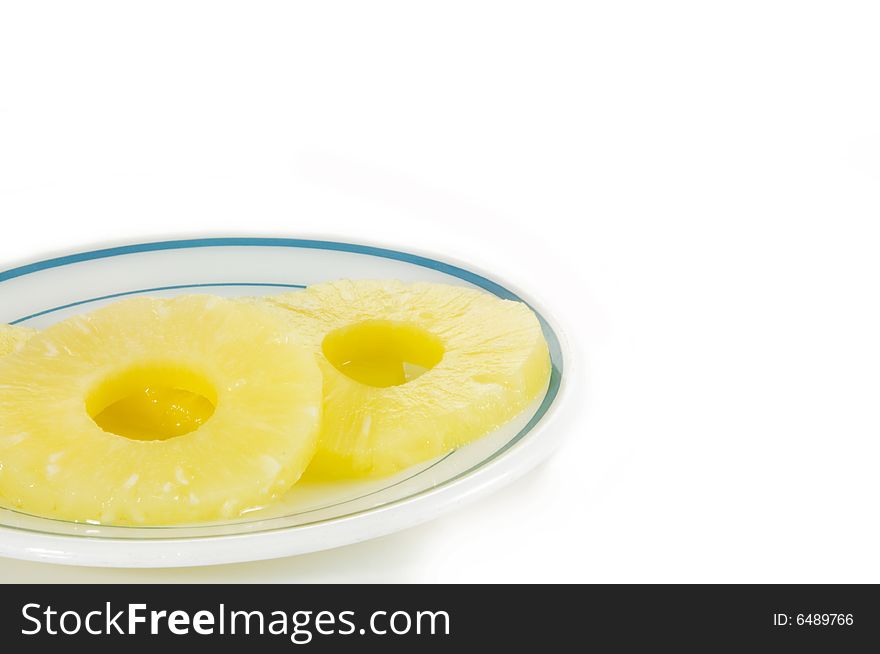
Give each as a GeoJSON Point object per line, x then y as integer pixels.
{"type": "Point", "coordinates": [437, 618]}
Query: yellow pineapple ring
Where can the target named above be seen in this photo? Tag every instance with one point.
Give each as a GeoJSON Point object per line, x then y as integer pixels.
{"type": "Point", "coordinates": [12, 336]}
{"type": "Point", "coordinates": [263, 393]}
{"type": "Point", "coordinates": [413, 370]}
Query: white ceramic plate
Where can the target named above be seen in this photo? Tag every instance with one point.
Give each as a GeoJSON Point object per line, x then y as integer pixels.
{"type": "Point", "coordinates": [312, 516]}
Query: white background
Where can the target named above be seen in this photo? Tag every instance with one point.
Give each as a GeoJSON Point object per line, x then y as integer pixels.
{"type": "Point", "coordinates": [693, 187]}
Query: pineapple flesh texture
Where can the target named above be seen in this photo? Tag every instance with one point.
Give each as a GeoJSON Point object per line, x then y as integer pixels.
{"type": "Point", "coordinates": [153, 413]}
{"type": "Point", "coordinates": [12, 337]}
{"type": "Point", "coordinates": [412, 371]}
{"type": "Point", "coordinates": [252, 399]}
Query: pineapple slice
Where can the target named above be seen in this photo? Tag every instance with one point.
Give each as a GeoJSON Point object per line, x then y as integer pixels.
{"type": "Point", "coordinates": [412, 371]}
{"type": "Point", "coordinates": [259, 395]}
{"type": "Point", "coordinates": [11, 337]}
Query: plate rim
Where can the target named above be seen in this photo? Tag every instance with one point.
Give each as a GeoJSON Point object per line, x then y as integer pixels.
{"type": "Point", "coordinates": [333, 532]}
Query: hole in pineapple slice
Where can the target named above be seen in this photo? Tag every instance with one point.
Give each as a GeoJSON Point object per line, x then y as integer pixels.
{"type": "Point", "coordinates": [382, 353]}
{"type": "Point", "coordinates": [152, 402]}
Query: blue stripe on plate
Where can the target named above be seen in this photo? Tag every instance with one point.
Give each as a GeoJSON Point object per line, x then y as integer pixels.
{"type": "Point", "coordinates": [385, 253]}
{"type": "Point", "coordinates": [149, 290]}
